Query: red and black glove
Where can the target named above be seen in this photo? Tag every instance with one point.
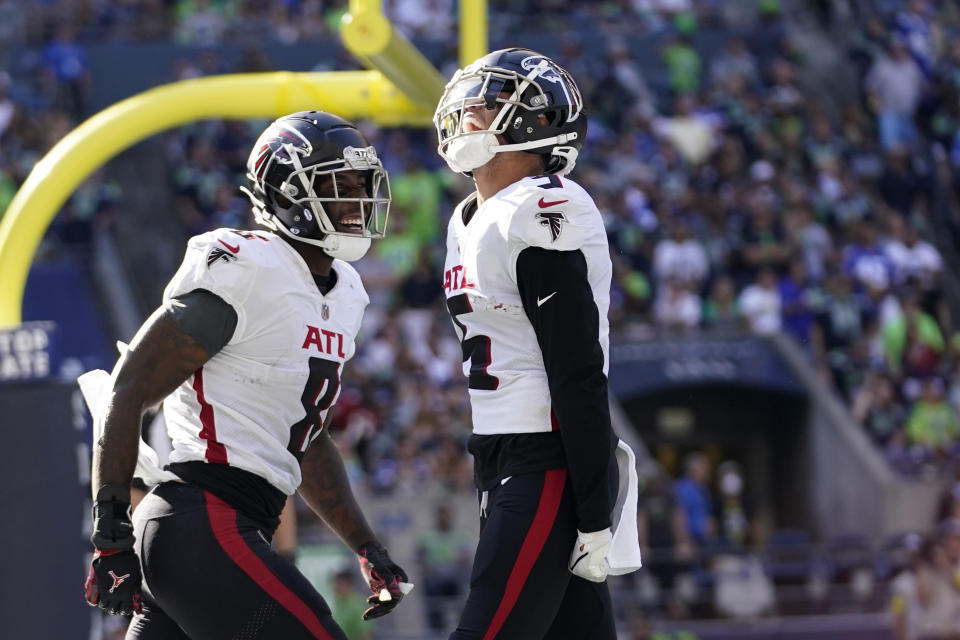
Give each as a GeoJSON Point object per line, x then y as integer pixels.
{"type": "Point", "coordinates": [381, 573]}
{"type": "Point", "coordinates": [113, 583]}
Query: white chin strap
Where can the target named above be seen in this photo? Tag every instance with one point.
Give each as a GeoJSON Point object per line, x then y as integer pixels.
{"type": "Point", "coordinates": [470, 151]}
{"type": "Point", "coordinates": [345, 248]}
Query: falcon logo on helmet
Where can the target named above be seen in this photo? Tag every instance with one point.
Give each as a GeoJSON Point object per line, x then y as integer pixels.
{"type": "Point", "coordinates": [275, 145]}
{"type": "Point", "coordinates": [550, 72]}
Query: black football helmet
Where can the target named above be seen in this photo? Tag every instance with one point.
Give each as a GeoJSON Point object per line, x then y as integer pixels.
{"type": "Point", "coordinates": [286, 167]}
{"type": "Point", "coordinates": [528, 85]}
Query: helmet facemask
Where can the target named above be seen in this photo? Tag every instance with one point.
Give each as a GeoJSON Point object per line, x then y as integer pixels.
{"type": "Point", "coordinates": [522, 102]}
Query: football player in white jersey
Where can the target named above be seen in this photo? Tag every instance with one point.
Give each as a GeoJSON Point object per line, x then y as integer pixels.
{"type": "Point", "coordinates": [246, 353]}
{"type": "Point", "coordinates": [527, 281]}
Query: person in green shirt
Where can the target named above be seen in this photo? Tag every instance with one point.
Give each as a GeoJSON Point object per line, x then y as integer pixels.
{"type": "Point", "coordinates": [912, 322]}
{"type": "Point", "coordinates": [444, 552]}
{"type": "Point", "coordinates": [683, 65]}
{"type": "Point", "coordinates": [933, 423]}
{"type": "Point", "coordinates": [348, 606]}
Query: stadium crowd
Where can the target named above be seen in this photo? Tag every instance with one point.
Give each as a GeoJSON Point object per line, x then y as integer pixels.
{"type": "Point", "coordinates": [738, 196]}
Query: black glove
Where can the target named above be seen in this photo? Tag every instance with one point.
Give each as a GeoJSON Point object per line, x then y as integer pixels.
{"type": "Point", "coordinates": [113, 582]}
{"type": "Point", "coordinates": [381, 573]}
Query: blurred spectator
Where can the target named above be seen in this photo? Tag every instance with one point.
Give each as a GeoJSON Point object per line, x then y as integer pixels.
{"type": "Point", "coordinates": [677, 307]}
{"type": "Point", "coordinates": [924, 604]}
{"type": "Point", "coordinates": [202, 22]}
{"type": "Point", "coordinates": [736, 60]}
{"type": "Point", "coordinates": [800, 301]}
{"type": "Point", "coordinates": [899, 185]}
{"type": "Point", "coordinates": [933, 424]}
{"type": "Point", "coordinates": [865, 261]}
{"type": "Point", "coordinates": [913, 25]}
{"type": "Point", "coordinates": [811, 239]}
{"type": "Point", "coordinates": [665, 543]}
{"type": "Point", "coordinates": [876, 407]}
{"type": "Point", "coordinates": [912, 340]}
{"type": "Point", "coordinates": [7, 106]}
{"type": "Point", "coordinates": [734, 516]}
{"type": "Point", "coordinates": [911, 256]}
{"type": "Point", "coordinates": [693, 495]}
{"type": "Point", "coordinates": [763, 242]}
{"type": "Point", "coordinates": [894, 84]}
{"type": "Point", "coordinates": [688, 130]}
{"type": "Point", "coordinates": [444, 553]}
{"type": "Point", "coordinates": [629, 77]}
{"type": "Point", "coordinates": [349, 604]}
{"type": "Point", "coordinates": [420, 292]}
{"type": "Point", "coordinates": [429, 19]}
{"type": "Point", "coordinates": [721, 310]}
{"type": "Point", "coordinates": [680, 258]}
{"type": "Point", "coordinates": [66, 60]}
{"type": "Point", "coordinates": [760, 303]}
{"type": "Point", "coordinates": [683, 63]}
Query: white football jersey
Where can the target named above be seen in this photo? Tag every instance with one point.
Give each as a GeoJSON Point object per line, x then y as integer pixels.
{"type": "Point", "coordinates": [507, 380]}
{"type": "Point", "coordinates": [258, 403]}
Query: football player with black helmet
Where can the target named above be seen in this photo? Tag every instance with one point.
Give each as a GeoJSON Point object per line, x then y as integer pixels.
{"type": "Point", "coordinates": [246, 353]}
{"type": "Point", "coordinates": [527, 283]}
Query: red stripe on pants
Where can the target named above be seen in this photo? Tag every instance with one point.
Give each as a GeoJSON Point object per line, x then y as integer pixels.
{"type": "Point", "coordinates": [223, 521]}
{"type": "Point", "coordinates": [532, 545]}
{"type": "Point", "coordinates": [215, 451]}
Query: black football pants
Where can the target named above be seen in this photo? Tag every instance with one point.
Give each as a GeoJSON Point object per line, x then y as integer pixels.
{"type": "Point", "coordinates": [209, 574]}
{"type": "Point", "coordinates": [520, 588]}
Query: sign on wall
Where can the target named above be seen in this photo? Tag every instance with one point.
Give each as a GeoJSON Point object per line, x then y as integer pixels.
{"type": "Point", "coordinates": [28, 352]}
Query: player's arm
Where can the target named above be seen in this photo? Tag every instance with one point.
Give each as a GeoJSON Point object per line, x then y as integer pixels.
{"type": "Point", "coordinates": [172, 344]}
{"type": "Point", "coordinates": [326, 489]}
{"type": "Point", "coordinates": [558, 300]}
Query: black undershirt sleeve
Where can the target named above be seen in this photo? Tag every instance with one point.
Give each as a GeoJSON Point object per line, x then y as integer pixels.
{"type": "Point", "coordinates": [205, 317]}
{"type": "Point", "coordinates": [558, 300]}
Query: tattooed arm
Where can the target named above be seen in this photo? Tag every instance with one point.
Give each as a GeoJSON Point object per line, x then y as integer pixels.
{"type": "Point", "coordinates": [327, 490]}
{"type": "Point", "coordinates": [160, 357]}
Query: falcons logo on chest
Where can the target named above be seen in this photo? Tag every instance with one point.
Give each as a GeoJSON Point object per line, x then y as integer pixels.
{"type": "Point", "coordinates": [553, 220]}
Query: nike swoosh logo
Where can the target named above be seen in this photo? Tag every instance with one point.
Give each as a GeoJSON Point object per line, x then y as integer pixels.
{"type": "Point", "coordinates": [543, 204]}
{"type": "Point", "coordinates": [540, 301]}
{"type": "Point", "coordinates": [577, 561]}
{"type": "Point", "coordinates": [232, 249]}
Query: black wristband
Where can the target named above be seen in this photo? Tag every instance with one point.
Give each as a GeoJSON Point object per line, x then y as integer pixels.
{"type": "Point", "coordinates": [112, 528]}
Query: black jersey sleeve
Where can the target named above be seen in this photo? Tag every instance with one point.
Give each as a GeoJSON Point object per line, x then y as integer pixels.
{"type": "Point", "coordinates": [559, 302]}
{"type": "Point", "coordinates": [205, 317]}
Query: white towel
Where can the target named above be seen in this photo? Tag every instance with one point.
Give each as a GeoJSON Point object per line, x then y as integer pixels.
{"type": "Point", "coordinates": [94, 385]}
{"type": "Point", "coordinates": [624, 554]}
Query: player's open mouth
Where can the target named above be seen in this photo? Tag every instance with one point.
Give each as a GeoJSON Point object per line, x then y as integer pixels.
{"type": "Point", "coordinates": [472, 122]}
{"type": "Point", "coordinates": [351, 223]}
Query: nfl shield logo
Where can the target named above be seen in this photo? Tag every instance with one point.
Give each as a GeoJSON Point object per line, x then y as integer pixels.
{"type": "Point", "coordinates": [325, 311]}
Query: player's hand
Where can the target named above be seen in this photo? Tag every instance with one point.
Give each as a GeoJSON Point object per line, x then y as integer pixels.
{"type": "Point", "coordinates": [589, 557]}
{"type": "Point", "coordinates": [384, 577]}
{"type": "Point", "coordinates": [113, 583]}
